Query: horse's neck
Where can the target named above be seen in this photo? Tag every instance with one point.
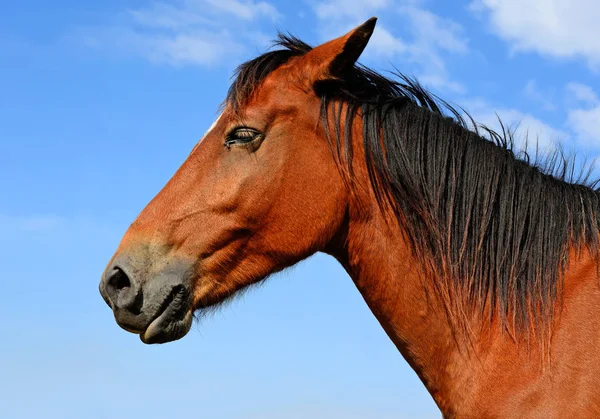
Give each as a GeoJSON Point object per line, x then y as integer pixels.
{"type": "Point", "coordinates": [387, 276]}
{"type": "Point", "coordinates": [474, 378]}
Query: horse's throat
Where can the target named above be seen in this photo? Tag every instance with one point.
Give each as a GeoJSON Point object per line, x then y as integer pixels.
{"type": "Point", "coordinates": [389, 279]}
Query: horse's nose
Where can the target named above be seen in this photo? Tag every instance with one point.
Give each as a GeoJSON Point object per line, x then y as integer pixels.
{"type": "Point", "coordinates": [150, 299]}
{"type": "Point", "coordinates": [120, 290]}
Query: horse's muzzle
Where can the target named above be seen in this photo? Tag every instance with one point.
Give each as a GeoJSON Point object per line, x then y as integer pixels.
{"type": "Point", "coordinates": [154, 304]}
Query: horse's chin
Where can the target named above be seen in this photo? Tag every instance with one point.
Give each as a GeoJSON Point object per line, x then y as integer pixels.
{"type": "Point", "coordinates": [172, 323]}
{"type": "Point", "coordinates": [162, 331]}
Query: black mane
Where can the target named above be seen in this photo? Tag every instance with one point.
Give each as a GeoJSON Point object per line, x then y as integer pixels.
{"type": "Point", "coordinates": [496, 225]}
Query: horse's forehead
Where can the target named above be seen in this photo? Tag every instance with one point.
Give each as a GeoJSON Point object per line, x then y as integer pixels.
{"type": "Point", "coordinates": [284, 78]}
{"type": "Point", "coordinates": [214, 124]}
{"type": "Point", "coordinates": [279, 91]}
{"type": "Point", "coordinates": [208, 131]}
{"type": "Point", "coordinates": [281, 88]}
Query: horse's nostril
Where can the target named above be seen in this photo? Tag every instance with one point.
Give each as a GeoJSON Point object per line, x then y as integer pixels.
{"type": "Point", "coordinates": [119, 280]}
{"type": "Point", "coordinates": [119, 290]}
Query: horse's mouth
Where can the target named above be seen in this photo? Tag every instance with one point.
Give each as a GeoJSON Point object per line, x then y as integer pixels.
{"type": "Point", "coordinates": [172, 321]}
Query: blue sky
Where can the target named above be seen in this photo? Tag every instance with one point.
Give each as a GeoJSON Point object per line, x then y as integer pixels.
{"type": "Point", "coordinates": [100, 102]}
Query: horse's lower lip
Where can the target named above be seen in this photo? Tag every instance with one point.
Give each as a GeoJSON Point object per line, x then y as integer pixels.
{"type": "Point", "coordinates": [172, 322]}
{"type": "Point", "coordinates": [131, 329]}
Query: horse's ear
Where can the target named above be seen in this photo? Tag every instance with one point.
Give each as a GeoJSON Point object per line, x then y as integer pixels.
{"type": "Point", "coordinates": [333, 58]}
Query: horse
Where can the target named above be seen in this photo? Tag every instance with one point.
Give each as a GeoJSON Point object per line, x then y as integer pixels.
{"type": "Point", "coordinates": [480, 263]}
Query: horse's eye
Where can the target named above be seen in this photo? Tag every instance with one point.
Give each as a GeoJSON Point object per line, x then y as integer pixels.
{"type": "Point", "coordinates": [241, 136]}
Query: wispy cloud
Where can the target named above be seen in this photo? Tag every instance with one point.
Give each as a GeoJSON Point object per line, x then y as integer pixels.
{"type": "Point", "coordinates": [187, 32]}
{"type": "Point", "coordinates": [531, 132]}
{"type": "Point", "coordinates": [426, 39]}
{"type": "Point", "coordinates": [545, 98]}
{"type": "Point", "coordinates": [248, 9]}
{"type": "Point", "coordinates": [31, 223]}
{"type": "Point", "coordinates": [586, 123]}
{"type": "Point", "coordinates": [583, 117]}
{"type": "Point", "coordinates": [579, 130]}
{"type": "Point", "coordinates": [558, 28]}
{"type": "Point", "coordinates": [430, 41]}
{"type": "Point", "coordinates": [353, 9]}
{"type": "Point", "coordinates": [582, 93]}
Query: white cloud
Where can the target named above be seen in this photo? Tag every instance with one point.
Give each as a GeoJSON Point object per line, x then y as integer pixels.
{"type": "Point", "coordinates": [531, 132]}
{"type": "Point", "coordinates": [557, 28]}
{"type": "Point", "coordinates": [584, 118]}
{"type": "Point", "coordinates": [434, 31]}
{"type": "Point", "coordinates": [581, 130]}
{"type": "Point", "coordinates": [248, 9]}
{"type": "Point", "coordinates": [355, 10]}
{"type": "Point", "coordinates": [427, 38]}
{"type": "Point", "coordinates": [196, 47]}
{"type": "Point", "coordinates": [167, 16]}
{"type": "Point", "coordinates": [586, 124]}
{"type": "Point", "coordinates": [384, 43]}
{"type": "Point", "coordinates": [582, 93]}
{"type": "Point", "coordinates": [433, 37]}
{"type": "Point", "coordinates": [185, 32]}
{"type": "Point", "coordinates": [441, 82]}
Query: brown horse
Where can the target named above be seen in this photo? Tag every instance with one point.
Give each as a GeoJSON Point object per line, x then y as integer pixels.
{"type": "Point", "coordinates": [480, 266]}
